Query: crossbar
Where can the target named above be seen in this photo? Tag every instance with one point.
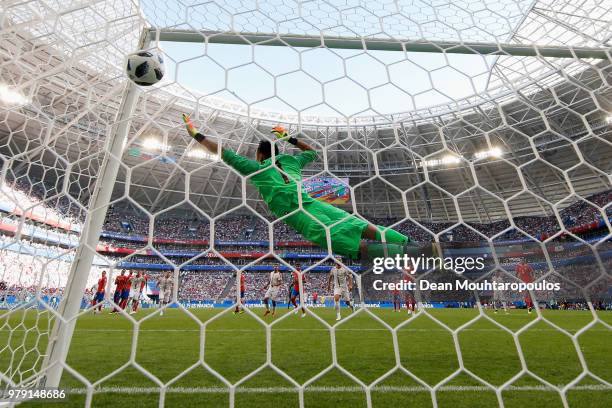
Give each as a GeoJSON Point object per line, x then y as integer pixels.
{"type": "Point", "coordinates": [379, 44]}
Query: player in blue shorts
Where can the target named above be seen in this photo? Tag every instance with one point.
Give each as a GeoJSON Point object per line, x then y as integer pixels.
{"type": "Point", "coordinates": [98, 297]}
{"type": "Point", "coordinates": [125, 291]}
{"type": "Point", "coordinates": [289, 294]}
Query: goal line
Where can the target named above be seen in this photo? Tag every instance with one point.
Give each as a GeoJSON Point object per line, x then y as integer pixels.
{"type": "Point", "coordinates": [323, 389]}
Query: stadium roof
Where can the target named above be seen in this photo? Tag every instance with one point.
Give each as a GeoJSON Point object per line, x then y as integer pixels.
{"type": "Point", "coordinates": [540, 113]}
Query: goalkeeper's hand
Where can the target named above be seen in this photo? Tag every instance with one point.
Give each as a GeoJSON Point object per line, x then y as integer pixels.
{"type": "Point", "coordinates": [281, 134]}
{"type": "Point", "coordinates": [191, 129]}
{"type": "Point", "coordinates": [279, 131]}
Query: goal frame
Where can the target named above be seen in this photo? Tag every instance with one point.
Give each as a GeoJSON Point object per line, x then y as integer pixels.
{"type": "Point", "coordinates": [69, 308]}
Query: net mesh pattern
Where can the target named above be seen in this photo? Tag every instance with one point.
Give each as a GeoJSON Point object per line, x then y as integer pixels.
{"type": "Point", "coordinates": [443, 147]}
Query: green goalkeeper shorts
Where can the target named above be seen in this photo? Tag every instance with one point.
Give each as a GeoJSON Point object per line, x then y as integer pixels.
{"type": "Point", "coordinates": [345, 233]}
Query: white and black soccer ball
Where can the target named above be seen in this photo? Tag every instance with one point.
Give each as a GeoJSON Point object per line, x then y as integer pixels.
{"type": "Point", "coordinates": [145, 68]}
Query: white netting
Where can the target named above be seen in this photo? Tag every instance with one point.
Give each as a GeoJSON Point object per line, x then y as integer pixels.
{"type": "Point", "coordinates": [507, 155]}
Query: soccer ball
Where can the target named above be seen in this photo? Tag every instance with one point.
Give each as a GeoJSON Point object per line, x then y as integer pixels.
{"type": "Point", "coordinates": [145, 68]}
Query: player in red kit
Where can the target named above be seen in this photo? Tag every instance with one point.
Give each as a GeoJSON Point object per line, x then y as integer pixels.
{"type": "Point", "coordinates": [125, 290]}
{"type": "Point", "coordinates": [117, 295]}
{"type": "Point", "coordinates": [144, 283]}
{"type": "Point", "coordinates": [397, 305]}
{"type": "Point", "coordinates": [524, 271]}
{"type": "Point", "coordinates": [240, 305]}
{"type": "Point", "coordinates": [409, 298]}
{"type": "Point", "coordinates": [295, 291]}
{"type": "Point", "coordinates": [99, 296]}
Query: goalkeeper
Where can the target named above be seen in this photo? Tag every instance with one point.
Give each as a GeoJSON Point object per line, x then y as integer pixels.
{"type": "Point", "coordinates": [279, 190]}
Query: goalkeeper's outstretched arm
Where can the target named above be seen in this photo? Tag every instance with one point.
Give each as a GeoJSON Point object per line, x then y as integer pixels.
{"type": "Point", "coordinates": [209, 144]}
{"type": "Point", "coordinates": [303, 146]}
{"type": "Point", "coordinates": [240, 163]}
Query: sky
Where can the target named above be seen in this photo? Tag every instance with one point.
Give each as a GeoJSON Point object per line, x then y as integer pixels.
{"type": "Point", "coordinates": [334, 82]}
{"type": "Point", "coordinates": [349, 82]}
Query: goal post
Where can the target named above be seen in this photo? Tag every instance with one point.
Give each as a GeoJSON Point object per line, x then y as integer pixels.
{"type": "Point", "coordinates": [69, 307]}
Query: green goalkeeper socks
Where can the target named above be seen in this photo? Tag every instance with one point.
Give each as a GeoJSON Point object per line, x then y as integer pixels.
{"type": "Point", "coordinates": [395, 244]}
{"type": "Point", "coordinates": [391, 236]}
{"type": "Point", "coordinates": [378, 250]}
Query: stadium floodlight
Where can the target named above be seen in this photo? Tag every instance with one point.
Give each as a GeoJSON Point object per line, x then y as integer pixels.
{"type": "Point", "coordinates": [201, 154]}
{"type": "Point", "coordinates": [153, 143]}
{"type": "Point", "coordinates": [495, 152]}
{"type": "Point", "coordinates": [11, 96]}
{"type": "Point", "coordinates": [444, 160]}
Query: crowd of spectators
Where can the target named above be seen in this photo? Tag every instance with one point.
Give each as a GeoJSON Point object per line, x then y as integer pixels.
{"type": "Point", "coordinates": [244, 228]}
{"type": "Point", "coordinates": [23, 272]}
{"type": "Point", "coordinates": [131, 220]}
{"type": "Point", "coordinates": [29, 195]}
{"type": "Point", "coordinates": [202, 286]}
{"type": "Point", "coordinates": [257, 284]}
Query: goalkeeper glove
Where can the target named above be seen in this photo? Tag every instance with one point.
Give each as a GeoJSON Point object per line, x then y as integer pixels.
{"type": "Point", "coordinates": [281, 133]}
{"type": "Point", "coordinates": [191, 129]}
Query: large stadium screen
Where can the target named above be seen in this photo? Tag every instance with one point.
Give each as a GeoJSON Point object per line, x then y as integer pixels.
{"type": "Point", "coordinates": [330, 190]}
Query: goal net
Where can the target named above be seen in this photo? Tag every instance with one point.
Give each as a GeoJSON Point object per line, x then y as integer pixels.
{"type": "Point", "coordinates": [483, 127]}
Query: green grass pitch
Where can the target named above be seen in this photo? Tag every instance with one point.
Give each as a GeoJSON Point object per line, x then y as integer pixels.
{"type": "Point", "coordinates": [170, 345]}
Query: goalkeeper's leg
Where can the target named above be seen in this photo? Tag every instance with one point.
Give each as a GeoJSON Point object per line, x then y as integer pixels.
{"type": "Point", "coordinates": [348, 234]}
{"type": "Point", "coordinates": [395, 243]}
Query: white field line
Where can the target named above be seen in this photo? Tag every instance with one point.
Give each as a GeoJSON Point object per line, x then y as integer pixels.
{"type": "Point", "coordinates": [279, 390]}
{"type": "Point", "coordinates": [306, 330]}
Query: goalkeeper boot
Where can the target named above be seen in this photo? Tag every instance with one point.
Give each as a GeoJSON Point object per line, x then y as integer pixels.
{"type": "Point", "coordinates": [433, 250]}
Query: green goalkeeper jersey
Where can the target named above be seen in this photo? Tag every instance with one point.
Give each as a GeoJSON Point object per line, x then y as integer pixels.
{"type": "Point", "coordinates": [278, 190]}
{"type": "Point", "coordinates": [315, 219]}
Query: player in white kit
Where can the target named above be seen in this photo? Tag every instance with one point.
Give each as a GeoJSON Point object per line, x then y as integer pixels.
{"type": "Point", "coordinates": [342, 279]}
{"type": "Point", "coordinates": [274, 286]}
{"type": "Point", "coordinates": [165, 283]}
{"type": "Point", "coordinates": [135, 291]}
{"type": "Point", "coordinates": [499, 296]}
